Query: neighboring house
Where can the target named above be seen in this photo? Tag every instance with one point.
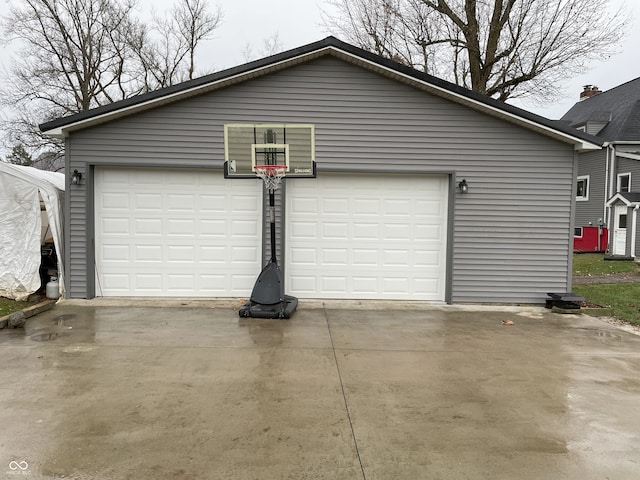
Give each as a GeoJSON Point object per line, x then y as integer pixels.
{"type": "Point", "coordinates": [608, 181]}
{"type": "Point", "coordinates": [153, 215]}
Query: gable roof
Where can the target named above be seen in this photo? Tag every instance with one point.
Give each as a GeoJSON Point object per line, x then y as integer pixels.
{"type": "Point", "coordinates": [617, 109]}
{"type": "Point", "coordinates": [581, 141]}
{"type": "Point", "coordinates": [628, 198]}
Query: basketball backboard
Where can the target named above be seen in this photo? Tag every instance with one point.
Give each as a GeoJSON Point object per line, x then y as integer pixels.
{"type": "Point", "coordinates": [249, 145]}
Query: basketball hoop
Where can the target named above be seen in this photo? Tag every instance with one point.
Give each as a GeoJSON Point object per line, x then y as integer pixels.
{"type": "Point", "coordinates": [271, 175]}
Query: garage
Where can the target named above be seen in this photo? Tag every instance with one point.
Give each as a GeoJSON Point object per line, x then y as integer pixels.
{"type": "Point", "coordinates": [151, 214]}
{"type": "Point", "coordinates": [175, 232]}
{"type": "Point", "coordinates": [367, 236]}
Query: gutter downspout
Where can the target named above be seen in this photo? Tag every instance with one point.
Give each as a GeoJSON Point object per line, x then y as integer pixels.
{"type": "Point", "coordinates": [609, 148]}
{"type": "Point", "coordinates": [633, 231]}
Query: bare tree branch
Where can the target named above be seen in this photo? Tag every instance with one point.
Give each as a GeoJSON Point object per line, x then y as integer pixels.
{"type": "Point", "coordinates": [79, 54]}
{"type": "Point", "coordinates": [503, 48]}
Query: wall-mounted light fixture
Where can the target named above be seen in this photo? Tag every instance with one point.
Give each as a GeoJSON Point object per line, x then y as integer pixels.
{"type": "Point", "coordinates": [76, 177]}
{"type": "Point", "coordinates": [463, 186]}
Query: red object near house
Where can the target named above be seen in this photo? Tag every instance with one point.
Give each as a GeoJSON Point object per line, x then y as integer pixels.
{"type": "Point", "coordinates": [590, 239]}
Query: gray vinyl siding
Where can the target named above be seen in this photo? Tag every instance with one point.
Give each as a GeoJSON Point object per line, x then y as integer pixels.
{"type": "Point", "coordinates": [511, 234]}
{"type": "Point", "coordinates": [626, 165]}
{"type": "Point", "coordinates": [590, 211]}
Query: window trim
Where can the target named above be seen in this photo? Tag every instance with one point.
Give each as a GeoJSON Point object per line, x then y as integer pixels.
{"type": "Point", "coordinates": [619, 176]}
{"type": "Point", "coordinates": [585, 196]}
{"type": "Point", "coordinates": [575, 230]}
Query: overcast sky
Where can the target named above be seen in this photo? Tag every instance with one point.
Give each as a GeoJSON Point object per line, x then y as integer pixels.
{"type": "Point", "coordinates": [298, 22]}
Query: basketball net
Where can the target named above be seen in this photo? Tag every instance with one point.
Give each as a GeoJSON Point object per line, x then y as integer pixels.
{"type": "Point", "coordinates": [271, 175]}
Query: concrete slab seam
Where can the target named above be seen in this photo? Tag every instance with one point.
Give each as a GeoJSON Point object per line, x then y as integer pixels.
{"type": "Point", "coordinates": [344, 396]}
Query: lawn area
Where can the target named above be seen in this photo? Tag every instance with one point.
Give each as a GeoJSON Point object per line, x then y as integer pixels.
{"type": "Point", "coordinates": [9, 306]}
{"type": "Point", "coordinates": [595, 264]}
{"type": "Point", "coordinates": [623, 298]}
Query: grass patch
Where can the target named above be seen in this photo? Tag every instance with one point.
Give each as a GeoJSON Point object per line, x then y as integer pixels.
{"type": "Point", "coordinates": [9, 306]}
{"type": "Point", "coordinates": [623, 298]}
{"type": "Point", "coordinates": [595, 264]}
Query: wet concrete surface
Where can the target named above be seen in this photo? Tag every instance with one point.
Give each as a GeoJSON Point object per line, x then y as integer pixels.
{"type": "Point", "coordinates": [95, 393]}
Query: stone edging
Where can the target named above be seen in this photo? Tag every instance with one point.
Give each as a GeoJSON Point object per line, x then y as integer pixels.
{"type": "Point", "coordinates": [17, 319]}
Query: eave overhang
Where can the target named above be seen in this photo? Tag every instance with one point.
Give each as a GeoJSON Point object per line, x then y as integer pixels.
{"type": "Point", "coordinates": [63, 127]}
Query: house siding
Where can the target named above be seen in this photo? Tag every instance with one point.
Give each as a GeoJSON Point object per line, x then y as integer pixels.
{"type": "Point", "coordinates": [590, 211]}
{"type": "Point", "coordinates": [511, 234]}
{"type": "Point", "coordinates": [626, 165]}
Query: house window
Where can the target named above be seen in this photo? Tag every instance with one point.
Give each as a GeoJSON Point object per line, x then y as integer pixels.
{"type": "Point", "coordinates": [582, 190]}
{"type": "Point", "coordinates": [577, 232]}
{"type": "Point", "coordinates": [622, 220]}
{"type": "Point", "coordinates": [624, 182]}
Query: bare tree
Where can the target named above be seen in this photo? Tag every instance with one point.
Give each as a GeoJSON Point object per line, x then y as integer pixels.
{"type": "Point", "coordinates": [502, 48]}
{"type": "Point", "coordinates": [270, 46]}
{"type": "Point", "coordinates": [79, 54]}
{"type": "Point", "coordinates": [169, 56]}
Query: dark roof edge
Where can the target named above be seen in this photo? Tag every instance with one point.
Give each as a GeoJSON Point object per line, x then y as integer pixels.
{"type": "Point", "coordinates": [307, 49]}
{"type": "Point", "coordinates": [187, 85]}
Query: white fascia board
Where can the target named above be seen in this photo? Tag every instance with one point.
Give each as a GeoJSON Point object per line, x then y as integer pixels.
{"type": "Point", "coordinates": [64, 130]}
{"type": "Point", "coordinates": [630, 156]}
{"type": "Point", "coordinates": [619, 197]}
{"type": "Point", "coordinates": [579, 144]}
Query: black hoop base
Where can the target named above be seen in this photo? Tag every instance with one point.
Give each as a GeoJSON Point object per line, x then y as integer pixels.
{"type": "Point", "coordinates": [282, 310]}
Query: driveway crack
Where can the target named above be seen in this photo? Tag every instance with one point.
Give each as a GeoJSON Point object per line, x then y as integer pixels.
{"type": "Point", "coordinates": [344, 396]}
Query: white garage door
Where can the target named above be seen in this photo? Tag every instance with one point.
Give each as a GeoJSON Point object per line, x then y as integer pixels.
{"type": "Point", "coordinates": [367, 237]}
{"type": "Point", "coordinates": [176, 233]}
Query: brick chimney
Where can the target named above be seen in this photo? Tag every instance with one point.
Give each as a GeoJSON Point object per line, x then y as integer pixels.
{"type": "Point", "coordinates": [589, 91]}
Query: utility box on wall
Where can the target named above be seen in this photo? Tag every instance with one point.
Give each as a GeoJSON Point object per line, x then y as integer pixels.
{"type": "Point", "coordinates": [590, 239]}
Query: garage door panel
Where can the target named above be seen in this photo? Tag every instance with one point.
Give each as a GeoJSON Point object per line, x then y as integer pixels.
{"type": "Point", "coordinates": [179, 203]}
{"type": "Point", "coordinates": [365, 257]}
{"type": "Point", "coordinates": [116, 253]}
{"type": "Point", "coordinates": [147, 253]}
{"type": "Point", "coordinates": [244, 228]}
{"type": "Point", "coordinates": [304, 285]}
{"type": "Point", "coordinates": [179, 227]}
{"type": "Point", "coordinates": [366, 206]}
{"type": "Point", "coordinates": [213, 228]}
{"type": "Point", "coordinates": [365, 231]}
{"type": "Point", "coordinates": [335, 231]}
{"type": "Point", "coordinates": [182, 254]}
{"type": "Point", "coordinates": [115, 226]}
{"type": "Point", "coordinates": [165, 233]}
{"type": "Point", "coordinates": [245, 255]}
{"type": "Point", "coordinates": [116, 201]}
{"type": "Point", "coordinates": [148, 226]}
{"type": "Point", "coordinates": [372, 237]}
{"type": "Point", "coordinates": [335, 206]}
{"type": "Point", "coordinates": [147, 201]}
{"type": "Point", "coordinates": [302, 256]}
{"type": "Point", "coordinates": [248, 204]}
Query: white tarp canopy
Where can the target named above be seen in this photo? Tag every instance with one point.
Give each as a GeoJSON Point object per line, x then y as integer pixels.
{"type": "Point", "coordinates": [21, 189]}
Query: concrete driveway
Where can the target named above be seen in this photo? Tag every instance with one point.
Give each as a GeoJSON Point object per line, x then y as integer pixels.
{"type": "Point", "coordinates": [98, 392]}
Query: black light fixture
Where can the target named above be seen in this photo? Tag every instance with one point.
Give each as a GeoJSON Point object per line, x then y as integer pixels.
{"type": "Point", "coordinates": [76, 176]}
{"type": "Point", "coordinates": [463, 186]}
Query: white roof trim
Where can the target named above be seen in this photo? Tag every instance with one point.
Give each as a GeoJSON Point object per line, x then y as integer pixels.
{"type": "Point", "coordinates": [630, 156]}
{"type": "Point", "coordinates": [63, 131]}
{"type": "Point", "coordinates": [579, 144]}
{"type": "Point", "coordinates": [618, 197]}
